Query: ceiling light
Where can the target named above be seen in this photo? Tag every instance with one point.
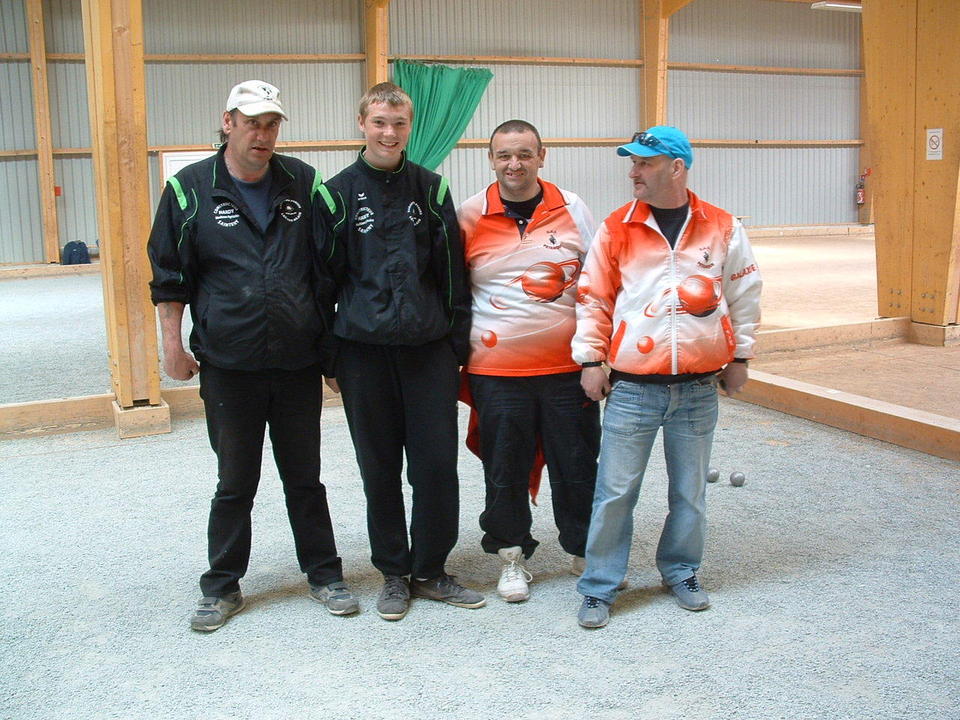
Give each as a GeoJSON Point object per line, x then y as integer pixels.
{"type": "Point", "coordinates": [838, 5]}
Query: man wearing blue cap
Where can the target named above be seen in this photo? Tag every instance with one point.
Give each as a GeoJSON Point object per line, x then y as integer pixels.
{"type": "Point", "coordinates": [669, 300]}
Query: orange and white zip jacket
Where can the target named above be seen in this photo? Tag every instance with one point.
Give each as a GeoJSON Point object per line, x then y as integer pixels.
{"type": "Point", "coordinates": [524, 287]}
{"type": "Point", "coordinates": [648, 309]}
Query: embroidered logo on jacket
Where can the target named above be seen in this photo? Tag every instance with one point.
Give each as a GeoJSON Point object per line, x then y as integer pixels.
{"type": "Point", "coordinates": [415, 213]}
{"type": "Point", "coordinates": [363, 219]}
{"type": "Point", "coordinates": [226, 214]}
{"type": "Point", "coordinates": [291, 210]}
{"type": "Point", "coordinates": [705, 261]}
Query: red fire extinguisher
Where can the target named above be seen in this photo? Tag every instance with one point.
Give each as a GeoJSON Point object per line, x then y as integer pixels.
{"type": "Point", "coordinates": [861, 183]}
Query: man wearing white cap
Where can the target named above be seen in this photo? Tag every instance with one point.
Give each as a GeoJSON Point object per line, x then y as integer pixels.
{"type": "Point", "coordinates": [669, 300]}
{"type": "Point", "coordinates": [232, 238]}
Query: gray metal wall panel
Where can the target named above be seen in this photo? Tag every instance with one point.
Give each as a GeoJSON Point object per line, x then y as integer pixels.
{"type": "Point", "coordinates": [185, 102]}
{"type": "Point", "coordinates": [13, 27]}
{"type": "Point", "coordinates": [69, 111]}
{"type": "Point", "coordinates": [16, 128]}
{"type": "Point", "coordinates": [764, 32]}
{"type": "Point", "coordinates": [595, 174]}
{"type": "Point", "coordinates": [21, 235]}
{"type": "Point", "coordinates": [77, 206]}
{"type": "Point", "coordinates": [764, 107]}
{"type": "Point", "coordinates": [63, 26]}
{"type": "Point", "coordinates": [554, 28]}
{"type": "Point", "coordinates": [250, 26]}
{"type": "Point", "coordinates": [779, 186]}
{"type": "Point", "coordinates": [560, 101]}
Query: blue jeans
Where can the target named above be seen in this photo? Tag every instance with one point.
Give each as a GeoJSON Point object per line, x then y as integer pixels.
{"type": "Point", "coordinates": [635, 412]}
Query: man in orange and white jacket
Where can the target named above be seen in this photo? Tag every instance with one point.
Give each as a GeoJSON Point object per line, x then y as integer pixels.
{"type": "Point", "coordinates": [525, 240]}
{"type": "Point", "coordinates": [669, 300]}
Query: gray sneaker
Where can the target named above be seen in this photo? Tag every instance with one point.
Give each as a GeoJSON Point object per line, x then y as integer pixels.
{"type": "Point", "coordinates": [212, 612]}
{"type": "Point", "coordinates": [594, 613]}
{"type": "Point", "coordinates": [445, 588]}
{"type": "Point", "coordinates": [394, 600]}
{"type": "Point", "coordinates": [689, 594]}
{"type": "Point", "coordinates": [336, 596]}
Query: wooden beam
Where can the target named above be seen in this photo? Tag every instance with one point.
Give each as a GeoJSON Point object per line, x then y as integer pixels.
{"type": "Point", "coordinates": [891, 109]}
{"type": "Point", "coordinates": [520, 60]}
{"type": "Point", "coordinates": [46, 179]}
{"type": "Point", "coordinates": [766, 69]}
{"type": "Point", "coordinates": [113, 31]}
{"type": "Point", "coordinates": [936, 245]}
{"type": "Point", "coordinates": [915, 429]}
{"type": "Point", "coordinates": [253, 58]}
{"type": "Point", "coordinates": [670, 7]}
{"type": "Point", "coordinates": [656, 35]}
{"type": "Point", "coordinates": [376, 34]}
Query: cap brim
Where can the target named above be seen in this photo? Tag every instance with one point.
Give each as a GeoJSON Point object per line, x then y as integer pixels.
{"type": "Point", "coordinates": [637, 149]}
{"type": "Point", "coordinates": [261, 108]}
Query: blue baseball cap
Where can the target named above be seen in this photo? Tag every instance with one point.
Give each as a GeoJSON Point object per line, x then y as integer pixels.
{"type": "Point", "coordinates": [659, 140]}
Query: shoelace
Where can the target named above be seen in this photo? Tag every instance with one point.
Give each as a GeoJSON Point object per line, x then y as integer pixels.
{"type": "Point", "coordinates": [395, 589]}
{"type": "Point", "coordinates": [692, 584]}
{"type": "Point", "coordinates": [593, 602]}
{"type": "Point", "coordinates": [516, 571]}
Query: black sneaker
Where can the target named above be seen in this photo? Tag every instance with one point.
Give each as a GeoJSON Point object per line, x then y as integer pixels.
{"type": "Point", "coordinates": [212, 612]}
{"type": "Point", "coordinates": [445, 588]}
{"type": "Point", "coordinates": [394, 600]}
{"type": "Point", "coordinates": [689, 594]}
{"type": "Point", "coordinates": [594, 612]}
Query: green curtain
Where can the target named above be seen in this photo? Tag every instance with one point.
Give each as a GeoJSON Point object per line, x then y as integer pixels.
{"type": "Point", "coordinates": [444, 100]}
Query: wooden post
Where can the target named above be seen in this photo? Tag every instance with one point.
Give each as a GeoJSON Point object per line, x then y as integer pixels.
{"type": "Point", "coordinates": [656, 34]}
{"type": "Point", "coordinates": [376, 24]}
{"type": "Point", "coordinates": [41, 120]}
{"type": "Point", "coordinates": [113, 32]}
{"type": "Point", "coordinates": [909, 92]}
{"type": "Point", "coordinates": [656, 41]}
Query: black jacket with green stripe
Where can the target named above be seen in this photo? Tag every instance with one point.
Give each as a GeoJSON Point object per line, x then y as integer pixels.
{"type": "Point", "coordinates": [252, 293]}
{"type": "Point", "coordinates": [390, 258]}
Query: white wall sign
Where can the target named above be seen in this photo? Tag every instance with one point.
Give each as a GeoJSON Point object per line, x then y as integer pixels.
{"type": "Point", "coordinates": [173, 161]}
{"type": "Point", "coordinates": [934, 143]}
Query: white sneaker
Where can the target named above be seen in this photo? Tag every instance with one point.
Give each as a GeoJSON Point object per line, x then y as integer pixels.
{"type": "Point", "coordinates": [579, 564]}
{"type": "Point", "coordinates": [514, 577]}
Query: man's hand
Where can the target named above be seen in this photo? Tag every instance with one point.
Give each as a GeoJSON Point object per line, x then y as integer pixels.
{"type": "Point", "coordinates": [332, 384]}
{"type": "Point", "coordinates": [179, 364]}
{"type": "Point", "coordinates": [733, 377]}
{"type": "Point", "coordinates": [595, 382]}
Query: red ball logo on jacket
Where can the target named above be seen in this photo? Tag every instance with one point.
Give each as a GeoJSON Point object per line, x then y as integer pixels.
{"type": "Point", "coordinates": [699, 295]}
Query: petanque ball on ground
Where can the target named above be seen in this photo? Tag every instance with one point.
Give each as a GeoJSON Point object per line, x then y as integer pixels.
{"type": "Point", "coordinates": [713, 475]}
{"type": "Point", "coordinates": [737, 479]}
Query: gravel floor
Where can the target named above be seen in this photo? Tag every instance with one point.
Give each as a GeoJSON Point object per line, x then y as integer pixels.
{"type": "Point", "coordinates": [830, 571]}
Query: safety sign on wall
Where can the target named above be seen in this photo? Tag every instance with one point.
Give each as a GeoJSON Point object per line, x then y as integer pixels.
{"type": "Point", "coordinates": [934, 143]}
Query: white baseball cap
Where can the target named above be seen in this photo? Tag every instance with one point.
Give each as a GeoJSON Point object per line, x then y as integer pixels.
{"type": "Point", "coordinates": [255, 97]}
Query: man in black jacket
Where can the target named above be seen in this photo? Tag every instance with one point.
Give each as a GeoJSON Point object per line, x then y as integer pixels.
{"type": "Point", "coordinates": [391, 259]}
{"type": "Point", "coordinates": [233, 239]}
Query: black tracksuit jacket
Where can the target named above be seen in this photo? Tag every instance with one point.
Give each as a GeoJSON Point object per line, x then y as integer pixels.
{"type": "Point", "coordinates": [252, 294]}
{"type": "Point", "coordinates": [390, 258]}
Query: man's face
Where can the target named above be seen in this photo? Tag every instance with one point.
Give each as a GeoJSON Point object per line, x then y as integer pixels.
{"type": "Point", "coordinates": [250, 141]}
{"type": "Point", "coordinates": [516, 158]}
{"type": "Point", "coordinates": [386, 129]}
{"type": "Point", "coordinates": [656, 180]}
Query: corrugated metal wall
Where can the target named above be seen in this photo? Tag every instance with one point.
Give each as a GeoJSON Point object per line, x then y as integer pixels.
{"type": "Point", "coordinates": [771, 185]}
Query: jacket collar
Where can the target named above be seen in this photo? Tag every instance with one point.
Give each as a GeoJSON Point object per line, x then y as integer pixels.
{"type": "Point", "coordinates": [552, 199]}
{"type": "Point", "coordinates": [640, 213]}
{"type": "Point", "coordinates": [280, 177]}
{"type": "Point", "coordinates": [379, 174]}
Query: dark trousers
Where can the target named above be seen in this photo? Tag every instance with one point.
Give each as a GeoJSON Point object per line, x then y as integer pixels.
{"type": "Point", "coordinates": [512, 411]}
{"type": "Point", "coordinates": [239, 405]}
{"type": "Point", "coordinates": [404, 399]}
